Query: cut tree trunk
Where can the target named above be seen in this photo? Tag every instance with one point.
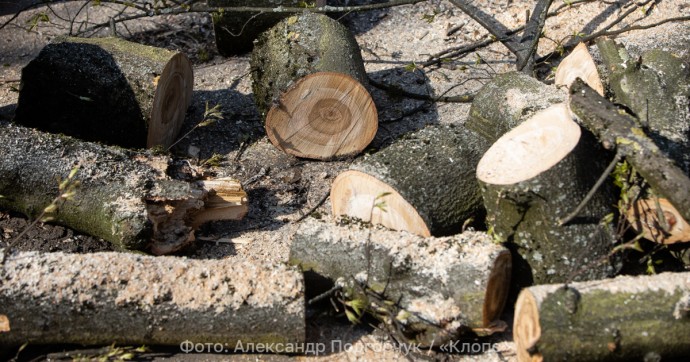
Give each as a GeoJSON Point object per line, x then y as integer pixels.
{"type": "Point", "coordinates": [426, 291]}
{"type": "Point", "coordinates": [506, 101]}
{"type": "Point", "coordinates": [658, 221]}
{"type": "Point", "coordinates": [656, 88]}
{"type": "Point", "coordinates": [531, 179]}
{"type": "Point", "coordinates": [62, 298]}
{"type": "Point", "coordinates": [308, 84]}
{"type": "Point", "coordinates": [622, 319]}
{"type": "Point", "coordinates": [235, 31]}
{"type": "Point", "coordinates": [579, 64]}
{"type": "Point", "coordinates": [123, 197]}
{"type": "Point", "coordinates": [618, 130]}
{"type": "Point", "coordinates": [107, 90]}
{"type": "Point", "coordinates": [423, 184]}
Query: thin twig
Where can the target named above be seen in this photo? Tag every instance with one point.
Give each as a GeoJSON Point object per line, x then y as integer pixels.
{"type": "Point", "coordinates": [592, 191]}
{"type": "Point", "coordinates": [464, 98]}
{"type": "Point", "coordinates": [313, 208]}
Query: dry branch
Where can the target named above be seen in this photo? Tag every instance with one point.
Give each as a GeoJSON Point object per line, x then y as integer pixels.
{"type": "Point", "coordinates": [616, 129]}
{"type": "Point", "coordinates": [622, 319]}
{"type": "Point", "coordinates": [135, 300]}
{"type": "Point", "coordinates": [107, 90]}
{"type": "Point", "coordinates": [658, 221]}
{"type": "Point", "coordinates": [423, 183]}
{"type": "Point", "coordinates": [426, 291]}
{"type": "Point", "coordinates": [123, 197]}
{"type": "Point", "coordinates": [308, 84]}
{"type": "Point", "coordinates": [532, 177]}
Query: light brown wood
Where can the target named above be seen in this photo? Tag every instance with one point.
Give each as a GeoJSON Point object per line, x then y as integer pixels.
{"type": "Point", "coordinates": [644, 216]}
{"type": "Point", "coordinates": [526, 328]}
{"type": "Point", "coordinates": [174, 89]}
{"type": "Point", "coordinates": [534, 147]}
{"type": "Point", "coordinates": [357, 194]}
{"type": "Point", "coordinates": [226, 201]}
{"type": "Point", "coordinates": [579, 64]}
{"type": "Point", "coordinates": [322, 116]}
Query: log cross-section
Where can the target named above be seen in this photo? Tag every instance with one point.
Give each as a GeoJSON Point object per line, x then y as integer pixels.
{"type": "Point", "coordinates": [321, 115]}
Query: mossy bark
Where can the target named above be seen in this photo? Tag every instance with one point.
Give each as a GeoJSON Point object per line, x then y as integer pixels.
{"type": "Point", "coordinates": [111, 199]}
{"type": "Point", "coordinates": [298, 46]}
{"type": "Point", "coordinates": [616, 129]}
{"type": "Point", "coordinates": [425, 290]}
{"type": "Point", "coordinates": [528, 214]}
{"type": "Point", "coordinates": [235, 31]}
{"type": "Point", "coordinates": [434, 171]}
{"type": "Point", "coordinates": [656, 87]}
{"type": "Point", "coordinates": [621, 319]}
{"type": "Point", "coordinates": [128, 299]}
{"type": "Point", "coordinates": [506, 101]}
{"type": "Point", "coordinates": [100, 89]}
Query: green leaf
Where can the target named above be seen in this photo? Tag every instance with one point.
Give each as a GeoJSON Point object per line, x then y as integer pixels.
{"type": "Point", "coordinates": [411, 67]}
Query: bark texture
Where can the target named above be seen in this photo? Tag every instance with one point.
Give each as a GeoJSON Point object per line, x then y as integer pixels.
{"type": "Point", "coordinates": [506, 101]}
{"type": "Point", "coordinates": [426, 291]}
{"type": "Point", "coordinates": [107, 90]}
{"type": "Point", "coordinates": [432, 171]}
{"type": "Point", "coordinates": [622, 319]}
{"type": "Point", "coordinates": [71, 298]}
{"type": "Point", "coordinates": [235, 31]}
{"type": "Point", "coordinates": [656, 87]}
{"type": "Point", "coordinates": [616, 129]}
{"type": "Point", "coordinates": [123, 197]}
{"type": "Point", "coordinates": [298, 46]}
{"type": "Point", "coordinates": [527, 211]}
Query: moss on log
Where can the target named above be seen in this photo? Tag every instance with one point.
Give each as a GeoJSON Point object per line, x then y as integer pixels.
{"type": "Point", "coordinates": [107, 90]}
{"type": "Point", "coordinates": [616, 129]}
{"type": "Point", "coordinates": [123, 197]}
{"type": "Point", "coordinates": [622, 319]}
{"type": "Point", "coordinates": [506, 101]}
{"type": "Point", "coordinates": [424, 183]}
{"type": "Point", "coordinates": [426, 291]}
{"type": "Point", "coordinates": [235, 31]}
{"type": "Point", "coordinates": [72, 298]}
{"type": "Point", "coordinates": [532, 178]}
{"type": "Point", "coordinates": [308, 78]}
{"type": "Point", "coordinates": [656, 87]}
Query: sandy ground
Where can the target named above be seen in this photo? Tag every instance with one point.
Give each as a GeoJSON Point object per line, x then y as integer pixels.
{"type": "Point", "coordinates": [281, 187]}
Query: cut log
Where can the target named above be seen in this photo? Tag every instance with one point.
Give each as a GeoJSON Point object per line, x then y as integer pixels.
{"type": "Point", "coordinates": [532, 178]}
{"type": "Point", "coordinates": [423, 184]}
{"type": "Point", "coordinates": [506, 101]}
{"type": "Point", "coordinates": [658, 221]}
{"type": "Point", "coordinates": [72, 298]}
{"type": "Point", "coordinates": [579, 64]}
{"type": "Point", "coordinates": [656, 88]}
{"type": "Point", "coordinates": [308, 84]}
{"type": "Point", "coordinates": [123, 197]}
{"type": "Point", "coordinates": [622, 319]}
{"type": "Point", "coordinates": [107, 90]}
{"type": "Point", "coordinates": [426, 291]}
{"type": "Point", "coordinates": [235, 31]}
{"type": "Point", "coordinates": [616, 129]}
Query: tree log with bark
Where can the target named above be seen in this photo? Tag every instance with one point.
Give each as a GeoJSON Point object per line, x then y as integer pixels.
{"type": "Point", "coordinates": [426, 291]}
{"type": "Point", "coordinates": [123, 197]}
{"type": "Point", "coordinates": [50, 298]}
{"type": "Point", "coordinates": [235, 31]}
{"type": "Point", "coordinates": [107, 90]}
{"type": "Point", "coordinates": [309, 82]}
{"type": "Point", "coordinates": [622, 319]}
{"type": "Point", "coordinates": [532, 178]}
{"type": "Point", "coordinates": [423, 183]}
{"type": "Point", "coordinates": [506, 101]}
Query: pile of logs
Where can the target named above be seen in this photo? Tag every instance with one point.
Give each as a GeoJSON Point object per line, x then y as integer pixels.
{"type": "Point", "coordinates": [528, 164]}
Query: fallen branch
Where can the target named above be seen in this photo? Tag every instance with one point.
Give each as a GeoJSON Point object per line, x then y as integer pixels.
{"type": "Point", "coordinates": [129, 299]}
{"type": "Point", "coordinates": [617, 130]}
